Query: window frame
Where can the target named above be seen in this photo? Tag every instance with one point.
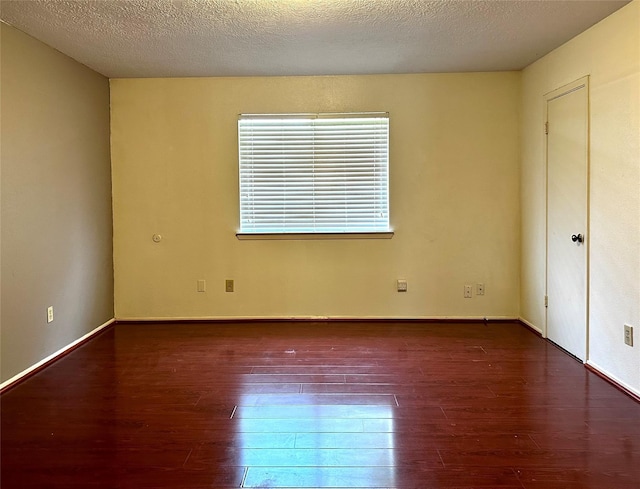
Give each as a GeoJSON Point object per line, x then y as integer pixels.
{"type": "Point", "coordinates": [375, 187]}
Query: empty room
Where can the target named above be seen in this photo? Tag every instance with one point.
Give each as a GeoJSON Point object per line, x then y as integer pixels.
{"type": "Point", "coordinates": [320, 244]}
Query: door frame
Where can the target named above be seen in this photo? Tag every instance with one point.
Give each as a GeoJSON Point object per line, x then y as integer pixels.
{"type": "Point", "coordinates": [574, 86]}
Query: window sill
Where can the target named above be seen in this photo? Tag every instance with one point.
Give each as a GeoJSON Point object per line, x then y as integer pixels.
{"type": "Point", "coordinates": [299, 236]}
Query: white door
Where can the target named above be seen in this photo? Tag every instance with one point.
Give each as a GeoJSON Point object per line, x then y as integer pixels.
{"type": "Point", "coordinates": [567, 201]}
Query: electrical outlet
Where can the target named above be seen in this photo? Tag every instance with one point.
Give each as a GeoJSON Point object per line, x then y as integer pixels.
{"type": "Point", "coordinates": [50, 314]}
{"type": "Point", "coordinates": [628, 335]}
{"type": "Point", "coordinates": [479, 289]}
{"type": "Point", "coordinates": [228, 285]}
{"type": "Point", "coordinates": [401, 285]}
{"type": "Point", "coordinates": [468, 291]}
{"type": "Point", "coordinates": [202, 285]}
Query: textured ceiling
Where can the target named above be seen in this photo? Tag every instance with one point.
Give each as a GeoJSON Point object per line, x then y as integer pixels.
{"type": "Point", "coordinates": [168, 38]}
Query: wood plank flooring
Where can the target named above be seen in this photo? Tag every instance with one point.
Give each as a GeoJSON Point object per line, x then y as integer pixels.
{"type": "Point", "coordinates": [316, 405]}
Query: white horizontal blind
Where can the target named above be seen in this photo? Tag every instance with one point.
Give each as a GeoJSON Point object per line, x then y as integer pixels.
{"type": "Point", "coordinates": [314, 173]}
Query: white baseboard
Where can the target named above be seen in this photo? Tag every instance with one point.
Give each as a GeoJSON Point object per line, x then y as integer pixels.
{"type": "Point", "coordinates": [613, 377]}
{"type": "Point", "coordinates": [532, 326]}
{"type": "Point", "coordinates": [53, 356]}
{"type": "Point", "coordinates": [315, 318]}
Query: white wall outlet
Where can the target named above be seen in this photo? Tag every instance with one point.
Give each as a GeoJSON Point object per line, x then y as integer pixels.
{"type": "Point", "coordinates": [628, 335]}
{"type": "Point", "coordinates": [202, 285]}
{"type": "Point", "coordinates": [401, 285]}
{"type": "Point", "coordinates": [468, 291]}
{"type": "Point", "coordinates": [479, 289]}
{"type": "Point", "coordinates": [50, 314]}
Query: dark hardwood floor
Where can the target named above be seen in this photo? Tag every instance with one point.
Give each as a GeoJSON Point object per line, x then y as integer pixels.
{"type": "Point", "coordinates": [310, 405]}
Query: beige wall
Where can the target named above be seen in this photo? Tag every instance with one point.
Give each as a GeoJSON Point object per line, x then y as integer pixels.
{"type": "Point", "coordinates": [610, 53]}
{"type": "Point", "coordinates": [454, 200]}
{"type": "Point", "coordinates": [56, 201]}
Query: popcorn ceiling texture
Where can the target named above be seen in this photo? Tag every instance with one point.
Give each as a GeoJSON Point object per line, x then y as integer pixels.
{"type": "Point", "coordinates": [163, 38]}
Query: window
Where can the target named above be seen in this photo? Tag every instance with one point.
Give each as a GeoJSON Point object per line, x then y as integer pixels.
{"type": "Point", "coordinates": [314, 173]}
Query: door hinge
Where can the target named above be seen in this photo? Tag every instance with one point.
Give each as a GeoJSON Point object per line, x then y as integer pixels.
{"type": "Point", "coordinates": [546, 127]}
{"type": "Point", "coordinates": [546, 301]}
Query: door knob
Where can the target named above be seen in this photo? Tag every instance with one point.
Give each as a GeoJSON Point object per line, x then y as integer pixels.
{"type": "Point", "coordinates": [577, 238]}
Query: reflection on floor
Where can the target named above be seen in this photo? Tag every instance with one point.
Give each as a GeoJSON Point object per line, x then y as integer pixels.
{"type": "Point", "coordinates": [316, 405]}
{"type": "Point", "coordinates": [325, 442]}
